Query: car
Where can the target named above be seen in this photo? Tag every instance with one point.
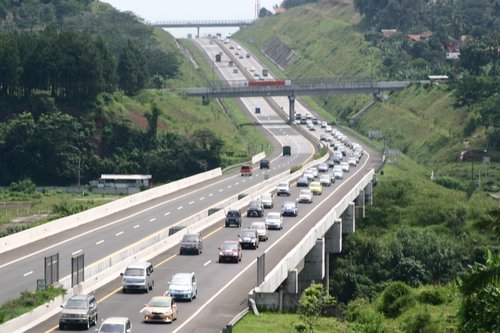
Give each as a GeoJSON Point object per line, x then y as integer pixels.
{"type": "Point", "coordinates": [265, 164]}
{"type": "Point", "coordinates": [241, 56]}
{"type": "Point", "coordinates": [236, 53]}
{"type": "Point", "coordinates": [252, 69]}
{"type": "Point", "coordinates": [249, 238]}
{"type": "Point", "coordinates": [343, 150]}
{"type": "Point", "coordinates": [257, 110]}
{"type": "Point", "coordinates": [337, 172]}
{"type": "Point", "coordinates": [345, 166]}
{"type": "Point", "coordinates": [352, 160]}
{"type": "Point", "coordinates": [191, 243]}
{"type": "Point", "coordinates": [255, 209]}
{"type": "Point", "coordinates": [303, 181]}
{"type": "Point", "coordinates": [261, 230]}
{"type": "Point", "coordinates": [79, 310]}
{"type": "Point", "coordinates": [138, 276]}
{"type": "Point", "coordinates": [248, 55]}
{"type": "Point", "coordinates": [267, 200]}
{"type": "Point", "coordinates": [322, 137]}
{"type": "Point", "coordinates": [314, 171]}
{"type": "Point", "coordinates": [330, 162]}
{"type": "Point", "coordinates": [311, 127]}
{"type": "Point", "coordinates": [323, 124]}
{"type": "Point", "coordinates": [305, 196]}
{"type": "Point", "coordinates": [337, 157]}
{"type": "Point", "coordinates": [183, 286]}
{"type": "Point", "coordinates": [246, 170]}
{"type": "Point", "coordinates": [315, 121]}
{"type": "Point", "coordinates": [289, 208]}
{"type": "Point", "coordinates": [316, 188]}
{"type": "Point", "coordinates": [309, 174]}
{"type": "Point", "coordinates": [115, 325]}
{"type": "Point", "coordinates": [233, 217]}
{"type": "Point", "coordinates": [230, 251]}
{"type": "Point", "coordinates": [274, 220]}
{"type": "Point", "coordinates": [161, 309]}
{"type": "Point", "coordinates": [235, 71]}
{"type": "Point", "coordinates": [231, 47]}
{"type": "Point", "coordinates": [283, 188]}
{"type": "Point", "coordinates": [323, 167]}
{"type": "Point", "coordinates": [326, 180]}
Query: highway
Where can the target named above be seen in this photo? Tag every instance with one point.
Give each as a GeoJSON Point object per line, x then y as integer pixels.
{"type": "Point", "coordinates": [222, 288]}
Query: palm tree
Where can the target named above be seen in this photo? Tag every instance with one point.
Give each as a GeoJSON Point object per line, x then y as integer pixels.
{"type": "Point", "coordinates": [482, 275]}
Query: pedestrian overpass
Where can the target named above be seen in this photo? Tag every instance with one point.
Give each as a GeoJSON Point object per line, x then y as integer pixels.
{"type": "Point", "coordinates": [198, 24]}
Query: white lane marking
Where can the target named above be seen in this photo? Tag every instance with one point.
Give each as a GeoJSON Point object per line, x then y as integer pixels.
{"type": "Point", "coordinates": [190, 202]}
{"type": "Point", "coordinates": [76, 252]}
{"type": "Point", "coordinates": [221, 190]}
{"type": "Point", "coordinates": [228, 186]}
{"type": "Point", "coordinates": [137, 226]}
{"type": "Point", "coordinates": [244, 180]}
{"type": "Point", "coordinates": [238, 183]}
{"type": "Point", "coordinates": [167, 214]}
{"type": "Point", "coordinates": [29, 273]}
{"type": "Point", "coordinates": [211, 194]}
{"type": "Point", "coordinates": [100, 242]}
{"type": "Point", "coordinates": [179, 208]}
{"type": "Point", "coordinates": [202, 198]}
{"type": "Point", "coordinates": [119, 234]}
{"type": "Point", "coordinates": [153, 219]}
{"type": "Point", "coordinates": [208, 262]}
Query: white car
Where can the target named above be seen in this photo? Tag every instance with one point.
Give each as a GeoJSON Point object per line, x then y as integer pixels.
{"type": "Point", "coordinates": [305, 196]}
{"type": "Point", "coordinates": [274, 220]}
{"type": "Point", "coordinates": [261, 230]}
{"type": "Point", "coordinates": [352, 160]}
{"type": "Point", "coordinates": [309, 174]}
{"type": "Point", "coordinates": [323, 124]}
{"type": "Point", "coordinates": [328, 129]}
{"type": "Point", "coordinates": [323, 167]}
{"type": "Point", "coordinates": [345, 166]}
{"type": "Point", "coordinates": [267, 200]}
{"type": "Point", "coordinates": [325, 180]}
{"type": "Point", "coordinates": [116, 324]}
{"type": "Point", "coordinates": [283, 188]}
{"type": "Point", "coordinates": [337, 172]}
{"type": "Point", "coordinates": [182, 286]}
{"type": "Point", "coordinates": [314, 171]}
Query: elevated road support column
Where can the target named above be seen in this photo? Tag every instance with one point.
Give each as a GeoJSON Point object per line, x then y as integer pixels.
{"type": "Point", "coordinates": [368, 194]}
{"type": "Point", "coordinates": [291, 112]}
{"type": "Point", "coordinates": [360, 204]}
{"type": "Point", "coordinates": [198, 32]}
{"type": "Point", "coordinates": [314, 266]}
{"type": "Point", "coordinates": [349, 220]}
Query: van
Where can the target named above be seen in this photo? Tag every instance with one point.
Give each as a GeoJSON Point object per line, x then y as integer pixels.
{"type": "Point", "coordinates": [138, 276]}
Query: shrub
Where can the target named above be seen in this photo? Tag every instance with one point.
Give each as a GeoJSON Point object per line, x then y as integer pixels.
{"type": "Point", "coordinates": [451, 183]}
{"type": "Point", "coordinates": [420, 322]}
{"type": "Point", "coordinates": [396, 298]}
{"type": "Point", "coordinates": [25, 186]}
{"type": "Point", "coordinates": [295, 168]}
{"type": "Point", "coordinates": [433, 296]}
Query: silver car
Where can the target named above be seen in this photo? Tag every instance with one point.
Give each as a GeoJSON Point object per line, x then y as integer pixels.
{"type": "Point", "coordinates": [183, 286]}
{"type": "Point", "coordinates": [305, 196]}
{"type": "Point", "coordinates": [261, 230]}
{"type": "Point", "coordinates": [79, 310]}
{"type": "Point", "coordinates": [274, 220]}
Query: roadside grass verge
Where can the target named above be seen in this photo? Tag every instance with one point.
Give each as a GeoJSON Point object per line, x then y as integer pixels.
{"type": "Point", "coordinates": [27, 302]}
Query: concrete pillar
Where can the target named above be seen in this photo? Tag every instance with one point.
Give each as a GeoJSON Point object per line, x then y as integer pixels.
{"type": "Point", "coordinates": [291, 112]}
{"type": "Point", "coordinates": [360, 204]}
{"type": "Point", "coordinates": [292, 282]}
{"type": "Point", "coordinates": [197, 32]}
{"type": "Point", "coordinates": [348, 220]}
{"type": "Point", "coordinates": [261, 268]}
{"type": "Point", "coordinates": [333, 238]}
{"type": "Point", "coordinates": [368, 194]}
{"type": "Point", "coordinates": [314, 265]}
{"type": "Point", "coordinates": [326, 283]}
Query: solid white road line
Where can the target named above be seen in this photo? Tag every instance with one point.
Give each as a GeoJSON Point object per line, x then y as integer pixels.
{"type": "Point", "coordinates": [100, 242]}
{"type": "Point", "coordinates": [29, 273]}
{"type": "Point", "coordinates": [119, 234]}
{"type": "Point", "coordinates": [76, 252]}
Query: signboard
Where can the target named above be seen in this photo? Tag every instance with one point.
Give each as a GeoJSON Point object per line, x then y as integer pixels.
{"type": "Point", "coordinates": [40, 284]}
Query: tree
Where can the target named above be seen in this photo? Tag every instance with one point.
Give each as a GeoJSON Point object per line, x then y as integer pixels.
{"type": "Point", "coordinates": [263, 12]}
{"type": "Point", "coordinates": [132, 70]}
{"type": "Point", "coordinates": [312, 304]}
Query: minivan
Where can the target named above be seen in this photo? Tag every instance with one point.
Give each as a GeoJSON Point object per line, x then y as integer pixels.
{"type": "Point", "coordinates": [138, 276]}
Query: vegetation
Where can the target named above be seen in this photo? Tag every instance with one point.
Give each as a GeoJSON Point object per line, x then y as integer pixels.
{"type": "Point", "coordinates": [27, 302]}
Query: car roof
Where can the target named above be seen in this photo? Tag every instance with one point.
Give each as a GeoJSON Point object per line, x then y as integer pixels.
{"type": "Point", "coordinates": [230, 242]}
{"type": "Point", "coordinates": [115, 320]}
{"type": "Point", "coordinates": [183, 275]}
{"type": "Point", "coordinates": [81, 297]}
{"type": "Point", "coordinates": [139, 265]}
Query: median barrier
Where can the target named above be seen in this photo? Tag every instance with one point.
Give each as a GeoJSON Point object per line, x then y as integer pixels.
{"type": "Point", "coordinates": [109, 268]}
{"type": "Point", "coordinates": [51, 228]}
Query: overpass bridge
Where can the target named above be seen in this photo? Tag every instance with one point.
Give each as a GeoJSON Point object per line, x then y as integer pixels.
{"type": "Point", "coordinates": [202, 24]}
{"type": "Point", "coordinates": [238, 89]}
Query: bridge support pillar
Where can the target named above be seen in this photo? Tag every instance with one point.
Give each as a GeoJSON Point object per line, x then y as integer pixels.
{"type": "Point", "coordinates": [333, 238]}
{"type": "Point", "coordinates": [368, 194]}
{"type": "Point", "coordinates": [348, 220]}
{"type": "Point", "coordinates": [292, 282]}
{"type": "Point", "coordinates": [291, 112]}
{"type": "Point", "coordinates": [360, 204]}
{"type": "Point", "coordinates": [314, 266]}
{"type": "Point", "coordinates": [197, 32]}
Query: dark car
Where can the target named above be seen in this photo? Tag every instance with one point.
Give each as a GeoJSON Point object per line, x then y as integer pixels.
{"type": "Point", "coordinates": [303, 182]}
{"type": "Point", "coordinates": [191, 243]}
{"type": "Point", "coordinates": [230, 251]}
{"type": "Point", "coordinates": [233, 217]}
{"type": "Point", "coordinates": [289, 208]}
{"type": "Point", "coordinates": [249, 238]}
{"type": "Point", "coordinates": [265, 164]}
{"type": "Point", "coordinates": [255, 209]}
{"type": "Point", "coordinates": [79, 310]}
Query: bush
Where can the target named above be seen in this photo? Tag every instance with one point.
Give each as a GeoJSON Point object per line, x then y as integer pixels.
{"type": "Point", "coordinates": [420, 322]}
{"type": "Point", "coordinates": [451, 183]}
{"type": "Point", "coordinates": [396, 298]}
{"type": "Point", "coordinates": [296, 168]}
{"type": "Point", "coordinates": [25, 186]}
{"type": "Point", "coordinates": [433, 296]}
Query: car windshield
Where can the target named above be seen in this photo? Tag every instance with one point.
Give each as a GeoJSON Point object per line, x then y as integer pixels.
{"type": "Point", "coordinates": [233, 214]}
{"type": "Point", "coordinates": [305, 192]}
{"type": "Point", "coordinates": [134, 272]}
{"type": "Point", "coordinates": [111, 328]}
{"type": "Point", "coordinates": [247, 233]}
{"type": "Point", "coordinates": [180, 281]}
{"type": "Point", "coordinates": [289, 204]}
{"type": "Point", "coordinates": [265, 197]}
{"type": "Point", "coordinates": [282, 185]}
{"type": "Point", "coordinates": [258, 226]}
{"type": "Point", "coordinates": [230, 246]}
{"type": "Point", "coordinates": [273, 216]}
{"type": "Point", "coordinates": [190, 238]}
{"type": "Point", "coordinates": [76, 304]}
{"type": "Point", "coordinates": [159, 303]}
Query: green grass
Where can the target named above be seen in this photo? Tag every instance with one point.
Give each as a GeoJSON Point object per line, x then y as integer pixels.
{"type": "Point", "coordinates": [282, 323]}
{"type": "Point", "coordinates": [27, 302]}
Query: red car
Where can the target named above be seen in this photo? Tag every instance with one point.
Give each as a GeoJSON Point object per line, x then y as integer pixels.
{"type": "Point", "coordinates": [230, 251]}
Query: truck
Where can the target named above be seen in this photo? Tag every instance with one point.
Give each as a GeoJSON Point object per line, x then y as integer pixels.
{"type": "Point", "coordinates": [218, 57]}
{"type": "Point", "coordinates": [246, 170]}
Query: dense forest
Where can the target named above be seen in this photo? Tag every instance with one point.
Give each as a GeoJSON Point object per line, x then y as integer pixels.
{"type": "Point", "coordinates": [62, 65]}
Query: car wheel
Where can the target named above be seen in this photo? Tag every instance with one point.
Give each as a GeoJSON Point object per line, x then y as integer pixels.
{"type": "Point", "coordinates": [96, 319]}
{"type": "Point", "coordinates": [61, 327]}
{"type": "Point", "coordinates": [87, 325]}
